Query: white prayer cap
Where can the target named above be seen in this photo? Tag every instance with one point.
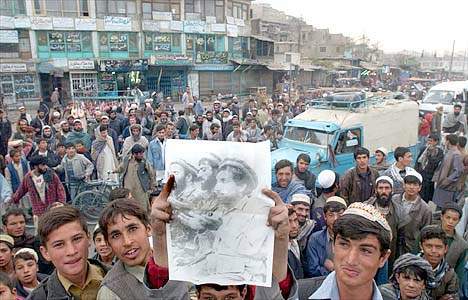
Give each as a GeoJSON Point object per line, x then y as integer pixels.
{"type": "Point", "coordinates": [415, 174]}
{"type": "Point", "coordinates": [28, 250]}
{"type": "Point", "coordinates": [300, 198]}
{"type": "Point", "coordinates": [439, 105]}
{"type": "Point", "coordinates": [337, 199]}
{"type": "Point", "coordinates": [368, 212]}
{"type": "Point", "coordinates": [326, 178]}
{"type": "Point", "coordinates": [384, 178]}
{"type": "Point", "coordinates": [383, 150]}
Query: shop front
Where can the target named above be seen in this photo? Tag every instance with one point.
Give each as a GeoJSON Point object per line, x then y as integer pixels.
{"type": "Point", "coordinates": [117, 77]}
{"type": "Point", "coordinates": [168, 74]}
{"type": "Point", "coordinates": [18, 83]}
{"type": "Point", "coordinates": [83, 79]}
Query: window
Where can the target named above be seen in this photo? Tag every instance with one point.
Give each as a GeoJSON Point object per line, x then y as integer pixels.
{"type": "Point", "coordinates": [12, 7]}
{"type": "Point", "coordinates": [64, 44]}
{"type": "Point", "coordinates": [83, 85]}
{"type": "Point", "coordinates": [19, 86]}
{"type": "Point", "coordinates": [204, 8]}
{"type": "Point", "coordinates": [205, 43]}
{"type": "Point", "coordinates": [172, 6]}
{"type": "Point", "coordinates": [22, 49]}
{"type": "Point", "coordinates": [348, 141]}
{"type": "Point", "coordinates": [123, 8]}
{"type": "Point", "coordinates": [61, 8]}
{"type": "Point", "coordinates": [162, 42]}
{"type": "Point", "coordinates": [238, 10]}
{"type": "Point", "coordinates": [110, 42]}
{"type": "Point", "coordinates": [264, 48]}
{"type": "Point", "coordinates": [323, 49]}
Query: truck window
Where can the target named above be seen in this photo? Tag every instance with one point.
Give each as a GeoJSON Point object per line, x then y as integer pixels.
{"type": "Point", "coordinates": [348, 141]}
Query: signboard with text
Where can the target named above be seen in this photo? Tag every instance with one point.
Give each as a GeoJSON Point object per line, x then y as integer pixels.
{"type": "Point", "coordinates": [117, 24]}
{"type": "Point", "coordinates": [81, 64]}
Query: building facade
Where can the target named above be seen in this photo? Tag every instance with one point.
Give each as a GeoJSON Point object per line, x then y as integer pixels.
{"type": "Point", "coordinates": [98, 49]}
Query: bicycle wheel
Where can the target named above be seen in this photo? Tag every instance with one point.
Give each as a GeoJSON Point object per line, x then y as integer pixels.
{"type": "Point", "coordinates": [90, 203]}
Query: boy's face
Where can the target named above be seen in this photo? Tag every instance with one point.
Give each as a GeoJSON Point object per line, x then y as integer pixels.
{"type": "Point", "coordinates": [6, 255]}
{"type": "Point", "coordinates": [16, 158]}
{"type": "Point", "coordinates": [231, 293]}
{"type": "Point", "coordinates": [128, 238]}
{"type": "Point", "coordinates": [15, 225]}
{"type": "Point", "coordinates": [71, 151]}
{"type": "Point", "coordinates": [449, 220]}
{"type": "Point", "coordinates": [26, 271]}
{"type": "Point", "coordinates": [67, 248]}
{"type": "Point", "coordinates": [357, 261]}
{"type": "Point", "coordinates": [434, 251]}
{"type": "Point", "coordinates": [102, 247]}
{"type": "Point", "coordinates": [6, 293]}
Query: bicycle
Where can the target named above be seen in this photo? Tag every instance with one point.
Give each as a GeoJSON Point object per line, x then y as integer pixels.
{"type": "Point", "coordinates": [95, 196]}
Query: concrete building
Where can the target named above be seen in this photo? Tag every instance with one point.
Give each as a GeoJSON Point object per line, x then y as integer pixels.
{"type": "Point", "coordinates": [97, 49]}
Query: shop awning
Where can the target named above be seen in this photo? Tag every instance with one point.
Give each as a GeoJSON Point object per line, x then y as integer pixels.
{"type": "Point", "coordinates": [278, 67]}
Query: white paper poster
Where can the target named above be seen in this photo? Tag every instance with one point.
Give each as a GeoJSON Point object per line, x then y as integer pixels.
{"type": "Point", "coordinates": [13, 68]}
{"type": "Point", "coordinates": [230, 20]}
{"type": "Point", "coordinates": [232, 30]}
{"type": "Point", "coordinates": [218, 27]}
{"type": "Point", "coordinates": [41, 23]}
{"type": "Point", "coordinates": [239, 22]}
{"type": "Point", "coordinates": [219, 233]}
{"type": "Point", "coordinates": [194, 27]}
{"type": "Point", "coordinates": [149, 25]}
{"type": "Point", "coordinates": [9, 36]}
{"type": "Point", "coordinates": [117, 23]}
{"type": "Point", "coordinates": [63, 23]}
{"type": "Point", "coordinates": [177, 25]}
{"type": "Point", "coordinates": [22, 22]}
{"type": "Point", "coordinates": [85, 24]}
{"type": "Point", "coordinates": [7, 22]}
{"type": "Point", "coordinates": [81, 64]}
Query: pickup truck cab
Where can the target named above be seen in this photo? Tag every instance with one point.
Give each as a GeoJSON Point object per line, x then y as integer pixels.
{"type": "Point", "coordinates": [331, 134]}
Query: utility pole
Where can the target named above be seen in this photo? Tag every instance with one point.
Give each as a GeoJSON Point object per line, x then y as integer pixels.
{"type": "Point", "coordinates": [464, 64]}
{"type": "Point", "coordinates": [451, 60]}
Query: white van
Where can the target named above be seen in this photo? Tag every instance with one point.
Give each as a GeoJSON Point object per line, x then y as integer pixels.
{"type": "Point", "coordinates": [447, 93]}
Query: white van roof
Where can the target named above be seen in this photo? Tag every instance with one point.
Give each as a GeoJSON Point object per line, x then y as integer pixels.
{"type": "Point", "coordinates": [388, 124]}
{"type": "Point", "coordinates": [456, 86]}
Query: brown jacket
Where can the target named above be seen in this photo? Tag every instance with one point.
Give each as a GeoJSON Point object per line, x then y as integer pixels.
{"type": "Point", "coordinates": [350, 185]}
{"type": "Point", "coordinates": [449, 171]}
{"type": "Point", "coordinates": [448, 286]}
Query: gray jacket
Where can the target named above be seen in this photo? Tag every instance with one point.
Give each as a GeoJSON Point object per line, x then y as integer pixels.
{"type": "Point", "coordinates": [81, 166]}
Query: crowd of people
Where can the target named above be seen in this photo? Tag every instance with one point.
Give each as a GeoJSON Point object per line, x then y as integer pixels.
{"type": "Point", "coordinates": [379, 231]}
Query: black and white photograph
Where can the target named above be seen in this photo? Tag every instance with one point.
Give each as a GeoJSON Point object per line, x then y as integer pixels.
{"type": "Point", "coordinates": [220, 214]}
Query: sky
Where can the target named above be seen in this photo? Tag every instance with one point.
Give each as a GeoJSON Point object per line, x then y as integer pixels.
{"type": "Point", "coordinates": [394, 24]}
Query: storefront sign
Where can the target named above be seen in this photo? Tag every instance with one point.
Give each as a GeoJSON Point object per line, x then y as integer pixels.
{"type": "Point", "coordinates": [13, 68]}
{"type": "Point", "coordinates": [149, 25]}
{"type": "Point", "coordinates": [177, 25]}
{"type": "Point", "coordinates": [164, 25]}
{"type": "Point", "coordinates": [63, 23]}
{"type": "Point", "coordinates": [9, 36]}
{"type": "Point", "coordinates": [171, 60]}
{"type": "Point", "coordinates": [109, 65]}
{"type": "Point", "coordinates": [213, 68]}
{"type": "Point", "coordinates": [81, 64]}
{"type": "Point", "coordinates": [41, 23]}
{"type": "Point", "coordinates": [232, 30]}
{"type": "Point", "coordinates": [22, 22]}
{"type": "Point", "coordinates": [117, 24]}
{"type": "Point", "coordinates": [212, 58]}
{"type": "Point", "coordinates": [7, 22]}
{"type": "Point", "coordinates": [85, 24]}
{"type": "Point", "coordinates": [194, 27]}
{"type": "Point", "coordinates": [218, 27]}
{"type": "Point", "coordinates": [162, 16]}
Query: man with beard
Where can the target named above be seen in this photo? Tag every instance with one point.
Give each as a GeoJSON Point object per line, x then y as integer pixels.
{"type": "Point", "coordinates": [455, 122]}
{"type": "Point", "coordinates": [214, 134]}
{"type": "Point", "coordinates": [115, 122]}
{"type": "Point", "coordinates": [78, 134]}
{"type": "Point", "coordinates": [208, 121]}
{"type": "Point", "coordinates": [138, 175]}
{"type": "Point", "coordinates": [42, 184]}
{"type": "Point", "coordinates": [301, 205]}
{"type": "Point", "coordinates": [64, 132]}
{"type": "Point", "coordinates": [294, 253]}
{"type": "Point", "coordinates": [47, 133]}
{"type": "Point", "coordinates": [303, 175]}
{"type": "Point", "coordinates": [226, 123]}
{"type": "Point", "coordinates": [382, 202]}
{"type": "Point", "coordinates": [199, 123]}
{"type": "Point", "coordinates": [136, 137]}
{"type": "Point", "coordinates": [39, 121]}
{"type": "Point", "coordinates": [156, 149]}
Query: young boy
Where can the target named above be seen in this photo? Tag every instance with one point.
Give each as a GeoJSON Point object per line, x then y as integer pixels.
{"type": "Point", "coordinates": [26, 271]}
{"type": "Point", "coordinates": [65, 242]}
{"type": "Point", "coordinates": [6, 255]}
{"type": "Point", "coordinates": [104, 253]}
{"type": "Point", "coordinates": [140, 273]}
{"type": "Point", "coordinates": [7, 288]}
{"type": "Point", "coordinates": [434, 247]}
